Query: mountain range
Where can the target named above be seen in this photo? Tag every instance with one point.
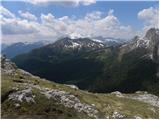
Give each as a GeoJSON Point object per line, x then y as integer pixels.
{"type": "Point", "coordinates": [93, 66]}
{"type": "Point", "coordinates": [19, 48]}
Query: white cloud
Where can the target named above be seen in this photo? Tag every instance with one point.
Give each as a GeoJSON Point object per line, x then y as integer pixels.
{"type": "Point", "coordinates": [47, 18]}
{"type": "Point", "coordinates": [87, 2]}
{"type": "Point", "coordinates": [63, 3]}
{"type": "Point", "coordinates": [93, 16]}
{"type": "Point", "coordinates": [35, 2]}
{"type": "Point", "coordinates": [150, 17]}
{"type": "Point", "coordinates": [110, 26]}
{"type": "Point", "coordinates": [17, 26]}
{"type": "Point", "coordinates": [49, 28]}
{"type": "Point", "coordinates": [5, 12]}
{"type": "Point", "coordinates": [110, 12]}
{"type": "Point", "coordinates": [27, 15]}
{"type": "Point", "coordinates": [108, 22]}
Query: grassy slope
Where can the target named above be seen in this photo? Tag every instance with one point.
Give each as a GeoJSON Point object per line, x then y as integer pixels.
{"type": "Point", "coordinates": [44, 108]}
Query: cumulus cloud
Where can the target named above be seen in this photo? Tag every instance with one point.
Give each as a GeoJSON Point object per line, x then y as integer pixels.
{"type": "Point", "coordinates": [5, 12]}
{"type": "Point", "coordinates": [47, 18]}
{"type": "Point", "coordinates": [17, 26]}
{"type": "Point", "coordinates": [92, 25]}
{"type": "Point", "coordinates": [63, 3]}
{"type": "Point", "coordinates": [150, 17]}
{"type": "Point", "coordinates": [110, 26]}
{"type": "Point", "coordinates": [93, 16]}
{"type": "Point", "coordinates": [87, 2]}
{"type": "Point", "coordinates": [48, 27]}
{"type": "Point", "coordinates": [27, 15]}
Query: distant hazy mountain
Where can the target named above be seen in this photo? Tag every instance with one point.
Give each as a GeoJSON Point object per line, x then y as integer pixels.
{"type": "Point", "coordinates": [19, 48]}
{"type": "Point", "coordinates": [3, 46]}
{"type": "Point", "coordinates": [93, 66]}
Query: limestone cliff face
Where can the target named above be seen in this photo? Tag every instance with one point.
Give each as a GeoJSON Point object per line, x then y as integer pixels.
{"type": "Point", "coordinates": [149, 43]}
{"type": "Point", "coordinates": [153, 36]}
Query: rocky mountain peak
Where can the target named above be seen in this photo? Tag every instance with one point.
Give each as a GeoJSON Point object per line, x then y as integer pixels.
{"type": "Point", "coordinates": [153, 32]}
{"type": "Point", "coordinates": [77, 44]}
{"type": "Point", "coordinates": [148, 43]}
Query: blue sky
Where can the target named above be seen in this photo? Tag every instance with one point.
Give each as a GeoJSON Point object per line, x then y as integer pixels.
{"type": "Point", "coordinates": [125, 12]}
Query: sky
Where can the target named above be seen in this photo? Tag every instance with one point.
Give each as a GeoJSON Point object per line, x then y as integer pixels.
{"type": "Point", "coordinates": [48, 20]}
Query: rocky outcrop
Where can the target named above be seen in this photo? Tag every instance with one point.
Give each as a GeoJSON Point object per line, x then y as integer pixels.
{"type": "Point", "coordinates": [25, 95]}
{"type": "Point", "coordinates": [24, 73]}
{"type": "Point", "coordinates": [116, 115]}
{"type": "Point", "coordinates": [147, 98]}
{"type": "Point", "coordinates": [61, 97]}
{"type": "Point", "coordinates": [71, 101]}
{"type": "Point", "coordinates": [117, 93]}
{"type": "Point", "coordinates": [73, 87]}
{"type": "Point", "coordinates": [7, 66]}
{"type": "Point", "coordinates": [140, 96]}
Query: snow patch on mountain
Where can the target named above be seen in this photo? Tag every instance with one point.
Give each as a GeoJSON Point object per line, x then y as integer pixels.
{"type": "Point", "coordinates": [142, 42]}
{"type": "Point", "coordinates": [73, 45]}
{"type": "Point", "coordinates": [97, 40]}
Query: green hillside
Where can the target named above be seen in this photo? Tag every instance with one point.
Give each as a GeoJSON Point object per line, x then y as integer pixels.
{"type": "Point", "coordinates": [26, 96]}
{"type": "Point", "coordinates": [124, 68]}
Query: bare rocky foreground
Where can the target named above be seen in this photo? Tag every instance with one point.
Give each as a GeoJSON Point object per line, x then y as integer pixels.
{"type": "Point", "coordinates": [28, 96]}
